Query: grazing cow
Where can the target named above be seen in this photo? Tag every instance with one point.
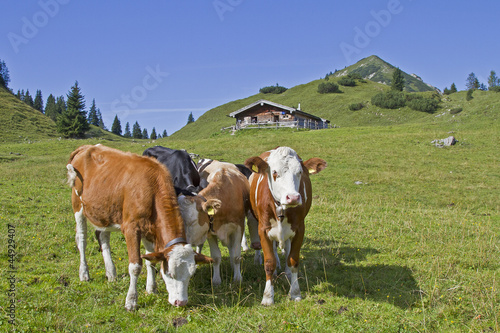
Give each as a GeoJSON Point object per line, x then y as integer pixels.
{"type": "Point", "coordinates": [182, 168]}
{"type": "Point", "coordinates": [251, 221]}
{"type": "Point", "coordinates": [281, 195]}
{"type": "Point", "coordinates": [119, 191]}
{"type": "Point", "coordinates": [218, 213]}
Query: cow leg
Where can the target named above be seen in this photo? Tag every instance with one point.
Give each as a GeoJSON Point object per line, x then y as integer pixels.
{"type": "Point", "coordinates": [217, 257]}
{"type": "Point", "coordinates": [106, 255]}
{"type": "Point", "coordinates": [253, 230]}
{"type": "Point", "coordinates": [269, 267]}
{"type": "Point", "coordinates": [235, 254]}
{"type": "Point", "coordinates": [81, 243]}
{"type": "Point", "coordinates": [288, 273]}
{"type": "Point", "coordinates": [151, 287]}
{"type": "Point", "coordinates": [244, 245]}
{"type": "Point", "coordinates": [293, 263]}
{"type": "Point", "coordinates": [275, 251]}
{"type": "Point", "coordinates": [199, 248]}
{"type": "Point", "coordinates": [133, 240]}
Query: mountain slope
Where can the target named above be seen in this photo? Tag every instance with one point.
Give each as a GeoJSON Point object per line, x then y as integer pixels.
{"type": "Point", "coordinates": [377, 70]}
{"type": "Point", "coordinates": [19, 122]}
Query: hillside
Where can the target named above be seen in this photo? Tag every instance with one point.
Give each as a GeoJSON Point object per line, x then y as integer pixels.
{"type": "Point", "coordinates": [377, 70]}
{"type": "Point", "coordinates": [334, 107]}
{"type": "Point", "coordinates": [19, 122]}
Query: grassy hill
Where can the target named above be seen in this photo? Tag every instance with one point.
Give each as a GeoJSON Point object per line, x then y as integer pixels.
{"type": "Point", "coordinates": [335, 107]}
{"type": "Point", "coordinates": [377, 70]}
{"type": "Point", "coordinates": [19, 122]}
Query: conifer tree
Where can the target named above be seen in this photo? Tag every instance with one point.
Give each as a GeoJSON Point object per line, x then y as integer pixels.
{"type": "Point", "coordinates": [18, 95]}
{"type": "Point", "coordinates": [38, 103]}
{"type": "Point", "coordinates": [100, 121]}
{"type": "Point", "coordinates": [28, 99]}
{"type": "Point", "coordinates": [153, 134]}
{"type": "Point", "coordinates": [164, 134]}
{"type": "Point", "coordinates": [73, 121]}
{"type": "Point", "coordinates": [453, 88]}
{"type": "Point", "coordinates": [136, 131]}
{"type": "Point", "coordinates": [50, 108]}
{"type": "Point", "coordinates": [145, 133]}
{"type": "Point", "coordinates": [190, 118]}
{"type": "Point", "coordinates": [127, 133]}
{"type": "Point", "coordinates": [93, 119]}
{"type": "Point", "coordinates": [4, 75]}
{"type": "Point", "coordinates": [493, 80]}
{"type": "Point", "coordinates": [116, 128]}
{"type": "Point", "coordinates": [398, 81]}
{"type": "Point", "coordinates": [22, 95]}
{"type": "Point", "coordinates": [472, 82]}
{"type": "Point", "coordinates": [60, 106]}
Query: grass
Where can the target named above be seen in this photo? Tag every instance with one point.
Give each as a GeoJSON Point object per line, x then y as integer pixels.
{"type": "Point", "coordinates": [413, 248]}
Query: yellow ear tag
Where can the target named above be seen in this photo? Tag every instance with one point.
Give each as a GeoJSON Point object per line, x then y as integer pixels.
{"type": "Point", "coordinates": [255, 168]}
{"type": "Point", "coordinates": [312, 171]}
{"type": "Point", "coordinates": [211, 211]}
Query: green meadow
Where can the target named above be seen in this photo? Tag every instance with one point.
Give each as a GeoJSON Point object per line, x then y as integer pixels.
{"type": "Point", "coordinates": [403, 236]}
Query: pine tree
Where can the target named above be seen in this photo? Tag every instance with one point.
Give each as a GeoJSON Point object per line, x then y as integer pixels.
{"type": "Point", "coordinates": [28, 99]}
{"type": "Point", "coordinates": [453, 88]}
{"type": "Point", "coordinates": [60, 106]}
{"type": "Point", "coordinates": [18, 95]}
{"type": "Point", "coordinates": [398, 81]}
{"type": "Point", "coordinates": [117, 126]}
{"type": "Point", "coordinates": [136, 131]}
{"type": "Point", "coordinates": [469, 96]}
{"type": "Point", "coordinates": [190, 118]}
{"type": "Point", "coordinates": [93, 120]}
{"type": "Point", "coordinates": [4, 75]}
{"type": "Point", "coordinates": [50, 108]}
{"type": "Point", "coordinates": [472, 82]}
{"type": "Point", "coordinates": [493, 80]}
{"type": "Point", "coordinates": [164, 134]}
{"type": "Point", "coordinates": [127, 133]}
{"type": "Point", "coordinates": [38, 103]}
{"type": "Point", "coordinates": [73, 121]}
{"type": "Point", "coordinates": [100, 122]}
{"type": "Point", "coordinates": [153, 134]}
{"type": "Point", "coordinates": [145, 133]}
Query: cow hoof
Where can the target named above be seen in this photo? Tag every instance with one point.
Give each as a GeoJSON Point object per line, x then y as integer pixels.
{"type": "Point", "coordinates": [296, 298]}
{"type": "Point", "coordinates": [84, 276]}
{"type": "Point", "coordinates": [267, 301]}
{"type": "Point", "coordinates": [151, 291]}
{"type": "Point", "coordinates": [130, 306]}
{"type": "Point", "coordinates": [216, 282]}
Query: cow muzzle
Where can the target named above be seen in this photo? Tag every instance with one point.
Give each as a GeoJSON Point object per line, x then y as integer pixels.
{"type": "Point", "coordinates": [291, 200]}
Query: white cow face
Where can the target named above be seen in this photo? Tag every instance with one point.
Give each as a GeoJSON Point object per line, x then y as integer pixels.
{"type": "Point", "coordinates": [181, 266]}
{"type": "Point", "coordinates": [284, 175]}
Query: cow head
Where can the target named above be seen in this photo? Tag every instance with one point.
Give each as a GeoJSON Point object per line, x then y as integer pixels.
{"type": "Point", "coordinates": [284, 170]}
{"type": "Point", "coordinates": [177, 267]}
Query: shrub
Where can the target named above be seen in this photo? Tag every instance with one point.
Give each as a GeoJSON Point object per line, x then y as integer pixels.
{"type": "Point", "coordinates": [356, 106]}
{"type": "Point", "coordinates": [347, 81]}
{"type": "Point", "coordinates": [277, 89]}
{"type": "Point", "coordinates": [495, 88]}
{"type": "Point", "coordinates": [423, 104]}
{"type": "Point", "coordinates": [455, 110]}
{"type": "Point", "coordinates": [355, 76]}
{"type": "Point", "coordinates": [469, 94]}
{"type": "Point", "coordinates": [328, 87]}
{"type": "Point", "coordinates": [389, 100]}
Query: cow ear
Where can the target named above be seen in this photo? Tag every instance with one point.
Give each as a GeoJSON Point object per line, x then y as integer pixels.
{"type": "Point", "coordinates": [202, 259]}
{"type": "Point", "coordinates": [211, 206]}
{"type": "Point", "coordinates": [154, 257]}
{"type": "Point", "coordinates": [315, 165]}
{"type": "Point", "coordinates": [256, 164]}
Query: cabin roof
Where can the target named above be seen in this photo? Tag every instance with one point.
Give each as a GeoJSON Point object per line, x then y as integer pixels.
{"type": "Point", "coordinates": [280, 106]}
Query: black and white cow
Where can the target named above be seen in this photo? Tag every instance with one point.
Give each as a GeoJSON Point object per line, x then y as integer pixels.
{"type": "Point", "coordinates": [182, 168]}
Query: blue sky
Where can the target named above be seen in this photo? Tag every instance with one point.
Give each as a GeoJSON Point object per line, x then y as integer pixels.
{"type": "Point", "coordinates": [156, 61]}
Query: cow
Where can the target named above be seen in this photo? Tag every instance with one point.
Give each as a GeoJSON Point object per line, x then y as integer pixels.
{"type": "Point", "coordinates": [218, 213]}
{"type": "Point", "coordinates": [182, 168]}
{"type": "Point", "coordinates": [251, 221]}
{"type": "Point", "coordinates": [281, 196]}
{"type": "Point", "coordinates": [125, 192]}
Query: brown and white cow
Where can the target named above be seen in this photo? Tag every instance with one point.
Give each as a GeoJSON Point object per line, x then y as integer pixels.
{"type": "Point", "coordinates": [125, 192]}
{"type": "Point", "coordinates": [218, 213]}
{"type": "Point", "coordinates": [281, 196]}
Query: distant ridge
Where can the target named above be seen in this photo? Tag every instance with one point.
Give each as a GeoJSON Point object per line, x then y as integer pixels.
{"type": "Point", "coordinates": [377, 70]}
